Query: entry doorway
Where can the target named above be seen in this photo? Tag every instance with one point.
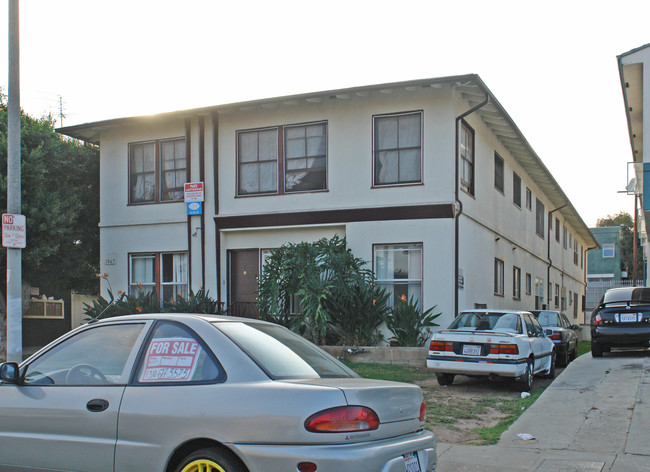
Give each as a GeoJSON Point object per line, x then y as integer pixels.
{"type": "Point", "coordinates": [244, 272]}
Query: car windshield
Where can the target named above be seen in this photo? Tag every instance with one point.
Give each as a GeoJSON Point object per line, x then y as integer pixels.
{"type": "Point", "coordinates": [508, 322]}
{"type": "Point", "coordinates": [548, 318]}
{"type": "Point", "coordinates": [283, 354]}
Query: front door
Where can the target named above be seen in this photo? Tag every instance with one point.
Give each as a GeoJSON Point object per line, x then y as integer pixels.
{"type": "Point", "coordinates": [244, 275]}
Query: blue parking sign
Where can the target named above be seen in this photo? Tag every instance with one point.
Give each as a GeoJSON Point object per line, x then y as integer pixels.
{"type": "Point", "coordinates": [194, 208]}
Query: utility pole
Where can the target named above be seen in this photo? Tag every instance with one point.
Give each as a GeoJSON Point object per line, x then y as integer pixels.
{"type": "Point", "coordinates": [14, 255]}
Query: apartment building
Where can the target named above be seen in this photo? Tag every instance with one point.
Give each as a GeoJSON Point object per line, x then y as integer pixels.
{"type": "Point", "coordinates": [430, 181]}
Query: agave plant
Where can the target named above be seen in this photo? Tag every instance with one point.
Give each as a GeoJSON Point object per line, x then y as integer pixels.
{"type": "Point", "coordinates": [410, 326]}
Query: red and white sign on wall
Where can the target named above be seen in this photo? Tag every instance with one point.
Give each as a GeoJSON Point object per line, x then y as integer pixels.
{"type": "Point", "coordinates": [194, 192]}
{"type": "Point", "coordinates": [14, 231]}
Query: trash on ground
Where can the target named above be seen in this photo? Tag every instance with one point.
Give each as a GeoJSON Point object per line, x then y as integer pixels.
{"type": "Point", "coordinates": [526, 436]}
{"type": "Point", "coordinates": [525, 394]}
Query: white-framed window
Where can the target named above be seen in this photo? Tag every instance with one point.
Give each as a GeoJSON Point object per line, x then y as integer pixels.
{"type": "Point", "coordinates": [257, 161]}
{"type": "Point", "coordinates": [498, 277]}
{"type": "Point", "coordinates": [539, 293]}
{"type": "Point", "coordinates": [609, 250]}
{"type": "Point", "coordinates": [467, 158]}
{"type": "Point", "coordinates": [165, 273]}
{"type": "Point", "coordinates": [157, 171]}
{"type": "Point", "coordinates": [397, 149]}
{"type": "Point", "coordinates": [398, 269]}
{"type": "Point", "coordinates": [516, 283]}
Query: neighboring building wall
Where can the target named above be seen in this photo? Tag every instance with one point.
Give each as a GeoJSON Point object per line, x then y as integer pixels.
{"type": "Point", "coordinates": [605, 263]}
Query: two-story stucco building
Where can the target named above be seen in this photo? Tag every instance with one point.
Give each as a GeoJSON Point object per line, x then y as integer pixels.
{"type": "Point", "coordinates": [430, 181]}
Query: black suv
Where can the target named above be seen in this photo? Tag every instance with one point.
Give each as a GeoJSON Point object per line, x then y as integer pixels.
{"type": "Point", "coordinates": [621, 319]}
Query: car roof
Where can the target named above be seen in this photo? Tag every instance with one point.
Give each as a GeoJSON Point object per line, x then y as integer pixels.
{"type": "Point", "coordinates": [178, 317]}
{"type": "Point", "coordinates": [627, 294]}
{"type": "Point", "coordinates": [492, 310]}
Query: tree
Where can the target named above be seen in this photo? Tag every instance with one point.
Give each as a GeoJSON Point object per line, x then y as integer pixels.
{"type": "Point", "coordinates": [625, 221]}
{"type": "Point", "coordinates": [60, 198]}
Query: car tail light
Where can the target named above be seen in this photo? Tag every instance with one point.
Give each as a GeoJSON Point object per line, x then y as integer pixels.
{"type": "Point", "coordinates": [343, 419]}
{"type": "Point", "coordinates": [307, 467]}
{"type": "Point", "coordinates": [597, 320]}
{"type": "Point", "coordinates": [504, 349]}
{"type": "Point", "coordinates": [423, 411]}
{"type": "Point", "coordinates": [441, 346]}
{"type": "Point", "coordinates": [556, 336]}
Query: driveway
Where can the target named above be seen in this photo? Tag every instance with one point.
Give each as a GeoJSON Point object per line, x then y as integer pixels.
{"type": "Point", "coordinates": [594, 417]}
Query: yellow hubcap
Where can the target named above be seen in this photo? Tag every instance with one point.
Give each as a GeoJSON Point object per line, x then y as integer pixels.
{"type": "Point", "coordinates": [203, 465]}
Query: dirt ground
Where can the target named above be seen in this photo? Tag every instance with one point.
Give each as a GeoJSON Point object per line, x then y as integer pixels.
{"type": "Point", "coordinates": [454, 411]}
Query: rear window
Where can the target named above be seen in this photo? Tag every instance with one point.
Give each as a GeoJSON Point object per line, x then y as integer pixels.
{"type": "Point", "coordinates": [509, 322]}
{"type": "Point", "coordinates": [638, 295]}
{"type": "Point", "coordinates": [548, 318]}
{"type": "Point", "coordinates": [283, 354]}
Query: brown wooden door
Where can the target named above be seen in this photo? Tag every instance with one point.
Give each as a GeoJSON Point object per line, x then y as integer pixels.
{"type": "Point", "coordinates": [244, 274]}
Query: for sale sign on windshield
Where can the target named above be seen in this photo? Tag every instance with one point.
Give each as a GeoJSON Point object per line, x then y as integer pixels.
{"type": "Point", "coordinates": [170, 360]}
{"type": "Point", "coordinates": [14, 231]}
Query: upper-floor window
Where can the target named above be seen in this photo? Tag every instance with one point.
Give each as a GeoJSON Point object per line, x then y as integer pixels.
{"type": "Point", "coordinates": [539, 217]}
{"type": "Point", "coordinates": [557, 230]}
{"type": "Point", "coordinates": [609, 250]}
{"type": "Point", "coordinates": [565, 237]}
{"type": "Point", "coordinates": [529, 199]}
{"type": "Point", "coordinates": [516, 189]}
{"type": "Point", "coordinates": [270, 165]}
{"type": "Point", "coordinates": [575, 252]}
{"type": "Point", "coordinates": [498, 276]}
{"type": "Point", "coordinates": [467, 158]}
{"type": "Point", "coordinates": [498, 173]}
{"type": "Point", "coordinates": [516, 283]}
{"type": "Point", "coordinates": [398, 149]}
{"type": "Point", "coordinates": [157, 171]}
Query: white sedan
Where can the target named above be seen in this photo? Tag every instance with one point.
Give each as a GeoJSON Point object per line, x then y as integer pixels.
{"type": "Point", "coordinates": [492, 343]}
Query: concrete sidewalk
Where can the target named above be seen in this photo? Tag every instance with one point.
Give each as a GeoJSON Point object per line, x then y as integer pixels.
{"type": "Point", "coordinates": [594, 417]}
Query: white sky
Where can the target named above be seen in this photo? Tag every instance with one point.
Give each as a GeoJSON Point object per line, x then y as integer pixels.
{"type": "Point", "coordinates": [551, 64]}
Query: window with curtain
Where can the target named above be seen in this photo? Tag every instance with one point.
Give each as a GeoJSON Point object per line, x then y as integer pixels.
{"type": "Point", "coordinates": [467, 158]}
{"type": "Point", "coordinates": [257, 159]}
{"type": "Point", "coordinates": [174, 169]}
{"type": "Point", "coordinates": [305, 157]}
{"type": "Point", "coordinates": [157, 171]}
{"type": "Point", "coordinates": [398, 149]}
{"type": "Point", "coordinates": [398, 269]}
{"type": "Point", "coordinates": [142, 174]}
{"type": "Point", "coordinates": [165, 273]}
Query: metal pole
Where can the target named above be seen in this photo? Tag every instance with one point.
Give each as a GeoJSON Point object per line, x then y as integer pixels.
{"type": "Point", "coordinates": [14, 269]}
{"type": "Point", "coordinates": [636, 210]}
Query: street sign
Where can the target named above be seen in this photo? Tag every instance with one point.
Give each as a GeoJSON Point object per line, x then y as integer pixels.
{"type": "Point", "coordinates": [193, 192]}
{"type": "Point", "coordinates": [14, 231]}
{"type": "Point", "coordinates": [194, 208]}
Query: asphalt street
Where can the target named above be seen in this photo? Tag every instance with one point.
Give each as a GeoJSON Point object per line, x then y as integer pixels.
{"type": "Point", "coordinates": [594, 417]}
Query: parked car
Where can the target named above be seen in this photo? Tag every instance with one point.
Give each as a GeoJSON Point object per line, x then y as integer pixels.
{"type": "Point", "coordinates": [563, 334]}
{"type": "Point", "coordinates": [492, 343]}
{"type": "Point", "coordinates": [621, 319]}
{"type": "Point", "coordinates": [200, 392]}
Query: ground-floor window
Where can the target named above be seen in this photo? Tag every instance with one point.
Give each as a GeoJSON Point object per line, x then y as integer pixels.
{"type": "Point", "coordinates": [498, 277]}
{"type": "Point", "coordinates": [516, 283]}
{"type": "Point", "coordinates": [398, 268]}
{"type": "Point", "coordinates": [165, 273]}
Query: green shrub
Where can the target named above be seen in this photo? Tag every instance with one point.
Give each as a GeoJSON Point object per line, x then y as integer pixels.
{"type": "Point", "coordinates": [199, 302]}
{"type": "Point", "coordinates": [410, 327]}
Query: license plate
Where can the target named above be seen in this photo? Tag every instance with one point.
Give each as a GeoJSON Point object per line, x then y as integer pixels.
{"type": "Point", "coordinates": [411, 463]}
{"type": "Point", "coordinates": [628, 317]}
{"type": "Point", "coordinates": [471, 350]}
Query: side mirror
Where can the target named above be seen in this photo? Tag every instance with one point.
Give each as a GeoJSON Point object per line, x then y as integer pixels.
{"type": "Point", "coordinates": [9, 372]}
{"type": "Point", "coordinates": [575, 327]}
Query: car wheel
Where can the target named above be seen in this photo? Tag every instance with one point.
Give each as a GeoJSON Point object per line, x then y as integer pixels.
{"type": "Point", "coordinates": [525, 383]}
{"type": "Point", "coordinates": [210, 460]}
{"type": "Point", "coordinates": [596, 349]}
{"type": "Point", "coordinates": [445, 379]}
{"type": "Point", "coordinates": [551, 370]}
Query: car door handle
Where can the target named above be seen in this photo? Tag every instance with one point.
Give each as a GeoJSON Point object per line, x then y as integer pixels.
{"type": "Point", "coordinates": [97, 405]}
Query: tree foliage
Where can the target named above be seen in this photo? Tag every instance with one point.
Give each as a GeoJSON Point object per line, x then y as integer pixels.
{"type": "Point", "coordinates": [625, 221]}
{"type": "Point", "coordinates": [60, 198]}
{"type": "Point", "coordinates": [321, 290]}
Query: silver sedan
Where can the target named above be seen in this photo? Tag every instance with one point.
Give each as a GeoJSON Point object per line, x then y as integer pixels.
{"type": "Point", "coordinates": [189, 393]}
